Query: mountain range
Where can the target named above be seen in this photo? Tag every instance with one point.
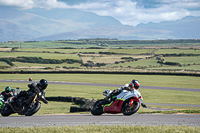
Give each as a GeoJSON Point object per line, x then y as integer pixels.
{"type": "Point", "coordinates": [64, 24]}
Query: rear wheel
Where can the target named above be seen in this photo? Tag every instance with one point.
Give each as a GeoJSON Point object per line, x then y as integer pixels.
{"type": "Point", "coordinates": [98, 107]}
{"type": "Point", "coordinates": [6, 110]}
{"type": "Point", "coordinates": [130, 107]}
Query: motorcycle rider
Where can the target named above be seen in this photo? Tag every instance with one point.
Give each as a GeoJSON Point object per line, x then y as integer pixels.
{"type": "Point", "coordinates": [34, 88]}
{"type": "Point", "coordinates": [134, 85]}
{"type": "Point", "coordinates": [7, 93]}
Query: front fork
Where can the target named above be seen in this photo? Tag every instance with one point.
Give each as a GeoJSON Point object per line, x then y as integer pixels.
{"type": "Point", "coordinates": [131, 102]}
{"type": "Point", "coordinates": [33, 102]}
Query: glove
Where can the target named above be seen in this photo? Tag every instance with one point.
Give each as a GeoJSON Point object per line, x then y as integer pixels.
{"type": "Point", "coordinates": [45, 101]}
{"type": "Point", "coordinates": [143, 105]}
{"type": "Point", "coordinates": [2, 101]}
{"type": "Point", "coordinates": [115, 91]}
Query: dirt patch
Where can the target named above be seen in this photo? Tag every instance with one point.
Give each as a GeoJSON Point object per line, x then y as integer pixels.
{"type": "Point", "coordinates": [5, 49]}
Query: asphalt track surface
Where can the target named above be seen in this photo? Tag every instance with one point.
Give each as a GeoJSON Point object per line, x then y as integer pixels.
{"type": "Point", "coordinates": [106, 119]}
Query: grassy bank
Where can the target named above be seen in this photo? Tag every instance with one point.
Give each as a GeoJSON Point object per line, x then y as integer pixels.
{"type": "Point", "coordinates": [105, 129]}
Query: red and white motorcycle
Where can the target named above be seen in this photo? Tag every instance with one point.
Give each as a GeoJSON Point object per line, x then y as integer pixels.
{"type": "Point", "coordinates": [126, 102]}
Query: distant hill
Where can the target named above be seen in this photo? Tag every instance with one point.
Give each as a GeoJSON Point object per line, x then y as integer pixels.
{"type": "Point", "coordinates": [186, 28]}
{"type": "Point", "coordinates": [120, 32]}
{"type": "Point", "coordinates": [63, 24]}
{"type": "Point", "coordinates": [48, 22]}
{"type": "Point", "coordinates": [10, 31]}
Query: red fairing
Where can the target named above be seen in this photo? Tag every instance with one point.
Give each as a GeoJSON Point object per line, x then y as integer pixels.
{"type": "Point", "coordinates": [115, 107]}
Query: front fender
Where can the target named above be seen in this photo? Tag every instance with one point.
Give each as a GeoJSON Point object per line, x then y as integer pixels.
{"type": "Point", "coordinates": [135, 99]}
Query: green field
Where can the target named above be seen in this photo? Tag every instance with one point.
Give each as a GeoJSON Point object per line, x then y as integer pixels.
{"type": "Point", "coordinates": [146, 80]}
{"type": "Point", "coordinates": [105, 129]}
{"type": "Point", "coordinates": [106, 58]}
{"type": "Point", "coordinates": [104, 54]}
{"type": "Point", "coordinates": [43, 55]}
{"type": "Point", "coordinates": [102, 43]}
{"type": "Point", "coordinates": [59, 50]}
{"type": "Point", "coordinates": [177, 51]}
{"type": "Point", "coordinates": [184, 60]}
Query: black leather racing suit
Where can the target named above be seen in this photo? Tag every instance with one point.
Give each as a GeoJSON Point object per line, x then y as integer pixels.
{"type": "Point", "coordinates": [33, 88]}
{"type": "Point", "coordinates": [32, 91]}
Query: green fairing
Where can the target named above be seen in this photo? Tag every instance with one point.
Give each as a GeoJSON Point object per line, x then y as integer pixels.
{"type": "Point", "coordinates": [1, 104]}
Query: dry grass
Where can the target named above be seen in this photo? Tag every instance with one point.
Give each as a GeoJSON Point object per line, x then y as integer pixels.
{"type": "Point", "coordinates": [5, 49]}
{"type": "Point", "coordinates": [108, 59]}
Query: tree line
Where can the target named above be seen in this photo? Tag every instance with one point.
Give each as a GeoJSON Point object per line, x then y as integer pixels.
{"type": "Point", "coordinates": [38, 60]}
{"type": "Point", "coordinates": [115, 41]}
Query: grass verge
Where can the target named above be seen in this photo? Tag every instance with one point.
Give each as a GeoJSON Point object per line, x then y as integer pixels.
{"type": "Point", "coordinates": [104, 129]}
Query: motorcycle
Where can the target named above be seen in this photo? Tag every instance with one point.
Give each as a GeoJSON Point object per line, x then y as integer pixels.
{"type": "Point", "coordinates": [22, 106]}
{"type": "Point", "coordinates": [2, 100]}
{"type": "Point", "coordinates": [126, 102]}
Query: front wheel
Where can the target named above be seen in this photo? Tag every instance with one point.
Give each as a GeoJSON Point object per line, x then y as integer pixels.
{"type": "Point", "coordinates": [130, 107]}
{"type": "Point", "coordinates": [6, 110]}
{"type": "Point", "coordinates": [98, 107]}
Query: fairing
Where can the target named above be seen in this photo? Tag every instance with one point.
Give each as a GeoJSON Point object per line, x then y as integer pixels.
{"type": "Point", "coordinates": [114, 107]}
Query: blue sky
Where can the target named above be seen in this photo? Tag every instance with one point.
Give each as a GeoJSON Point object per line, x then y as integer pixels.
{"type": "Point", "coordinates": [128, 12]}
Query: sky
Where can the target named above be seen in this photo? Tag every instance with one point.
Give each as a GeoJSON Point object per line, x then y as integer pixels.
{"type": "Point", "coordinates": [128, 12]}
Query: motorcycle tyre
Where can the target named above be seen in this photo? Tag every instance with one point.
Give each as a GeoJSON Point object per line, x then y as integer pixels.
{"type": "Point", "coordinates": [33, 111]}
{"type": "Point", "coordinates": [6, 112]}
{"type": "Point", "coordinates": [99, 111]}
{"type": "Point", "coordinates": [137, 104]}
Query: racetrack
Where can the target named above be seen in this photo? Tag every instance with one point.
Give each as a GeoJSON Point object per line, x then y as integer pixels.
{"type": "Point", "coordinates": [117, 86]}
{"type": "Point", "coordinates": [106, 119]}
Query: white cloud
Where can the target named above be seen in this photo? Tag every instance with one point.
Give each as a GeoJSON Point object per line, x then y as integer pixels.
{"type": "Point", "coordinates": [18, 3]}
{"type": "Point", "coordinates": [49, 4]}
{"type": "Point", "coordinates": [128, 12]}
{"type": "Point", "coordinates": [27, 4]}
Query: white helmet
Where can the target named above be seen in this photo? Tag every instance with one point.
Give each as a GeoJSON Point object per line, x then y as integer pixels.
{"type": "Point", "coordinates": [107, 92]}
